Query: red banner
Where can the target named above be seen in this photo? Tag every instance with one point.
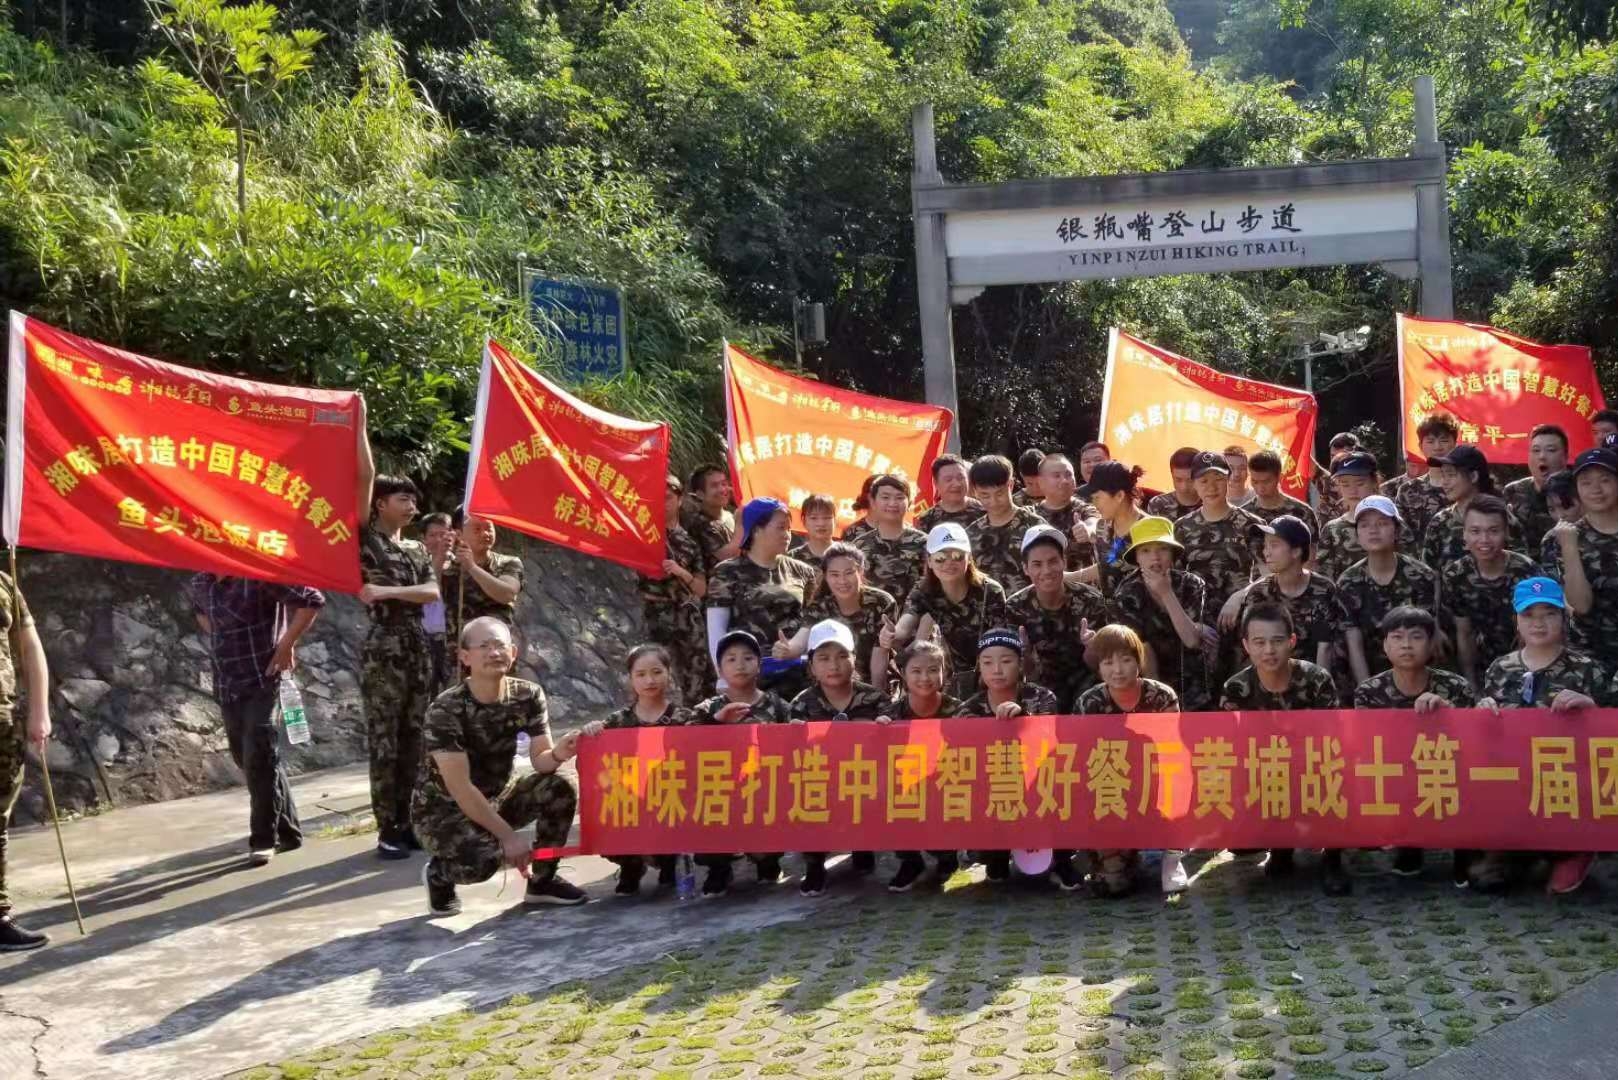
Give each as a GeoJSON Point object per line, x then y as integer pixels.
{"type": "Point", "coordinates": [1495, 386]}
{"type": "Point", "coordinates": [1532, 780]}
{"type": "Point", "coordinates": [549, 465]}
{"type": "Point", "coordinates": [792, 437]}
{"type": "Point", "coordinates": [1155, 402]}
{"type": "Point", "coordinates": [118, 456]}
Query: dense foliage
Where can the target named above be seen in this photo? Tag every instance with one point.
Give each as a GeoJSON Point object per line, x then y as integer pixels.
{"type": "Point", "coordinates": [399, 159]}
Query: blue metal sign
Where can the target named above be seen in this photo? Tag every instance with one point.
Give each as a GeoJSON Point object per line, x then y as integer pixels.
{"type": "Point", "coordinates": [587, 321]}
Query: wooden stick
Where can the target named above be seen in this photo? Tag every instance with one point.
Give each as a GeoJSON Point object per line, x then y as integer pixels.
{"type": "Point", "coordinates": [45, 759]}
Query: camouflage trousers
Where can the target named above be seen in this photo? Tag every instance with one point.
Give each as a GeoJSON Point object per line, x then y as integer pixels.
{"type": "Point", "coordinates": [11, 759]}
{"type": "Point", "coordinates": [464, 852]}
{"type": "Point", "coordinates": [395, 681]}
{"type": "Point", "coordinates": [680, 630]}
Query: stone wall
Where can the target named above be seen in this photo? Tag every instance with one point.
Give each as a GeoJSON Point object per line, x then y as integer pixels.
{"type": "Point", "coordinates": [132, 688]}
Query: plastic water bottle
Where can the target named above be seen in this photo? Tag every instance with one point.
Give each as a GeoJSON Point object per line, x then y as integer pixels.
{"type": "Point", "coordinates": [292, 716]}
{"type": "Point", "coordinates": [685, 878]}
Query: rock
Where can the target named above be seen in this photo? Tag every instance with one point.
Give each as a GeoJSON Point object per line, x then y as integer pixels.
{"type": "Point", "coordinates": [106, 748]}
{"type": "Point", "coordinates": [127, 633]}
{"type": "Point", "coordinates": [84, 694]}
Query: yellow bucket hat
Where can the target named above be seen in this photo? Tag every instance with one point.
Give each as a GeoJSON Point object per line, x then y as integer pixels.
{"type": "Point", "coordinates": [1151, 530]}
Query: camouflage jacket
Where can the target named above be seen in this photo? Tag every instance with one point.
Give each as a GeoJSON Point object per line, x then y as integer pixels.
{"type": "Point", "coordinates": [800, 551]}
{"type": "Point", "coordinates": [626, 717]}
{"type": "Point", "coordinates": [390, 562]}
{"type": "Point", "coordinates": [1328, 501]}
{"type": "Point", "coordinates": [1380, 691]}
{"type": "Point", "coordinates": [857, 530]}
{"type": "Point", "coordinates": [1508, 677]}
{"type": "Point", "coordinates": [961, 624]}
{"type": "Point", "coordinates": [1310, 687]}
{"type": "Point", "coordinates": [764, 601]}
{"type": "Point", "coordinates": [769, 709]}
{"type": "Point", "coordinates": [670, 591]}
{"type": "Point", "coordinates": [478, 603]}
{"type": "Point", "coordinates": [1222, 553]}
{"type": "Point", "coordinates": [899, 708]}
{"type": "Point", "coordinates": [711, 534]}
{"type": "Point", "coordinates": [1035, 701]}
{"type": "Point", "coordinates": [10, 636]}
{"type": "Point", "coordinates": [997, 549]}
{"type": "Point", "coordinates": [1297, 508]}
{"type": "Point", "coordinates": [1080, 553]}
{"type": "Point", "coordinates": [1178, 665]}
{"type": "Point", "coordinates": [487, 734]}
{"type": "Point", "coordinates": [936, 515]}
{"type": "Point", "coordinates": [1154, 697]}
{"type": "Point", "coordinates": [1110, 565]}
{"type": "Point", "coordinates": [1444, 541]}
{"type": "Point", "coordinates": [894, 566]}
{"type": "Point", "coordinates": [1318, 613]}
{"type": "Point", "coordinates": [1339, 546]}
{"type": "Point", "coordinates": [1367, 602]}
{"type": "Point", "coordinates": [1168, 506]}
{"type": "Point", "coordinates": [868, 703]}
{"type": "Point", "coordinates": [875, 605]}
{"type": "Point", "coordinates": [1486, 603]}
{"type": "Point", "coordinates": [1056, 656]}
{"type": "Point", "coordinates": [1598, 554]}
{"type": "Point", "coordinates": [1532, 510]}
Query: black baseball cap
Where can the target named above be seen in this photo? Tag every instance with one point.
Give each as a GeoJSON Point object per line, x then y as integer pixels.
{"type": "Point", "coordinates": [1355, 461]}
{"type": "Point", "coordinates": [1113, 477]}
{"type": "Point", "coordinates": [1290, 529]}
{"type": "Point", "coordinates": [1462, 457]}
{"type": "Point", "coordinates": [1207, 462]}
{"type": "Point", "coordinates": [1598, 458]}
{"type": "Point", "coordinates": [739, 637]}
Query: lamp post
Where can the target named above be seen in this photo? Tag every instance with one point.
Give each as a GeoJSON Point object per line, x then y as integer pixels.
{"type": "Point", "coordinates": [808, 327]}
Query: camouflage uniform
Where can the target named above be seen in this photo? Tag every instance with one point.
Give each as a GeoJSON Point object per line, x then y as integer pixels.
{"type": "Point", "coordinates": [1419, 501]}
{"type": "Point", "coordinates": [1110, 565]}
{"type": "Point", "coordinates": [396, 675]}
{"type": "Point", "coordinates": [899, 708]}
{"type": "Point", "coordinates": [626, 717]}
{"type": "Point", "coordinates": [764, 601]}
{"type": "Point", "coordinates": [1598, 553]}
{"type": "Point", "coordinates": [894, 566]}
{"type": "Point", "coordinates": [1297, 508]}
{"type": "Point", "coordinates": [1080, 553]}
{"type": "Point", "coordinates": [1330, 503]}
{"type": "Point", "coordinates": [1445, 540]}
{"type": "Point", "coordinates": [1166, 505]}
{"type": "Point", "coordinates": [1020, 498]}
{"type": "Point", "coordinates": [463, 851]}
{"type": "Point", "coordinates": [1318, 614]}
{"type": "Point", "coordinates": [770, 709]}
{"type": "Point", "coordinates": [1367, 602]}
{"type": "Point", "coordinates": [936, 515]}
{"type": "Point", "coordinates": [1531, 508]}
{"type": "Point", "coordinates": [673, 618]}
{"type": "Point", "coordinates": [1222, 553]}
{"type": "Point", "coordinates": [1380, 692]}
{"type": "Point", "coordinates": [1154, 697]}
{"type": "Point", "coordinates": [961, 624]}
{"type": "Point", "coordinates": [1339, 546]}
{"type": "Point", "coordinates": [1035, 701]}
{"type": "Point", "coordinates": [1055, 655]}
{"type": "Point", "coordinates": [1486, 603]}
{"type": "Point", "coordinates": [868, 703]}
{"type": "Point", "coordinates": [1311, 687]}
{"type": "Point", "coordinates": [857, 530]}
{"type": "Point", "coordinates": [875, 605]}
{"type": "Point", "coordinates": [478, 603]}
{"type": "Point", "coordinates": [711, 534]}
{"type": "Point", "coordinates": [800, 551]}
{"type": "Point", "coordinates": [1181, 667]}
{"type": "Point", "coordinates": [13, 730]}
{"type": "Point", "coordinates": [997, 549]}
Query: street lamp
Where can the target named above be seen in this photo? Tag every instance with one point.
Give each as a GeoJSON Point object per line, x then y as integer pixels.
{"type": "Point", "coordinates": [808, 327]}
{"type": "Point", "coordinates": [1345, 344]}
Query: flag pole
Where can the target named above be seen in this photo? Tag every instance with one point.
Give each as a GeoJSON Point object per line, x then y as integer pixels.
{"type": "Point", "coordinates": [45, 758]}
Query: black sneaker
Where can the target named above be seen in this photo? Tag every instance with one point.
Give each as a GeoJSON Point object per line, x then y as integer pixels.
{"type": "Point", "coordinates": [864, 862]}
{"type": "Point", "coordinates": [391, 848]}
{"type": "Point", "coordinates": [441, 898]}
{"type": "Point", "coordinates": [997, 867]}
{"type": "Point", "coordinates": [717, 883]}
{"type": "Point", "coordinates": [768, 870]}
{"type": "Point", "coordinates": [407, 840]}
{"type": "Point", "coordinates": [1334, 880]}
{"type": "Point", "coordinates": [1461, 871]}
{"type": "Point", "coordinates": [1407, 862]}
{"type": "Point", "coordinates": [814, 879]}
{"type": "Point", "coordinates": [629, 880]}
{"type": "Point", "coordinates": [1277, 862]}
{"type": "Point", "coordinates": [665, 874]}
{"type": "Point", "coordinates": [946, 867]}
{"type": "Point", "coordinates": [910, 870]}
{"type": "Point", "coordinates": [14, 938]}
{"type": "Point", "coordinates": [553, 890]}
{"type": "Point", "coordinates": [1067, 875]}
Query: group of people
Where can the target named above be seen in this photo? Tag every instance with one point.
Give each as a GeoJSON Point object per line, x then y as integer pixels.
{"type": "Point", "coordinates": [1069, 593]}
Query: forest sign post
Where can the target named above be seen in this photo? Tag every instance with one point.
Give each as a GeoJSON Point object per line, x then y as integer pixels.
{"type": "Point", "coordinates": [1196, 221]}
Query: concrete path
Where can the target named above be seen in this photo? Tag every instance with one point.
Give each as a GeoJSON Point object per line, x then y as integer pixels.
{"type": "Point", "coordinates": [198, 965]}
{"type": "Point", "coordinates": [1572, 1038]}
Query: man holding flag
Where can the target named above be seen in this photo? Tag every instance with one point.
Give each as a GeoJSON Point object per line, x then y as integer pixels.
{"type": "Point", "coordinates": [21, 643]}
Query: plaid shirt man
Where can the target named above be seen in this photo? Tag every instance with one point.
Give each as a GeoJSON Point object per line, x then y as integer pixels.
{"type": "Point", "coordinates": [245, 617]}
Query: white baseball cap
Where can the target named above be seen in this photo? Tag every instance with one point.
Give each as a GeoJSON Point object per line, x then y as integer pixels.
{"type": "Point", "coordinates": [948, 537]}
{"type": "Point", "coordinates": [1036, 533]}
{"type": "Point", "coordinates": [830, 632]}
{"type": "Point", "coordinates": [1380, 503]}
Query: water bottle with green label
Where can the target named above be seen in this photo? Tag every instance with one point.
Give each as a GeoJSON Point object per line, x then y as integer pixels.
{"type": "Point", "coordinates": [292, 716]}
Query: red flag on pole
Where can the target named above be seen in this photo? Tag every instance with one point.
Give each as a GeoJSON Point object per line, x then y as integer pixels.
{"type": "Point", "coordinates": [549, 465]}
{"type": "Point", "coordinates": [119, 456]}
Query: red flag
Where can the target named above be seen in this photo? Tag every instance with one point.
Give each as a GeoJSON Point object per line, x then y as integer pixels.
{"type": "Point", "coordinates": [792, 437]}
{"type": "Point", "coordinates": [118, 456]}
{"type": "Point", "coordinates": [1156, 401]}
{"type": "Point", "coordinates": [1495, 386]}
{"type": "Point", "coordinates": [549, 465]}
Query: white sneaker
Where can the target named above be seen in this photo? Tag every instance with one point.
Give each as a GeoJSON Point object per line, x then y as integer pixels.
{"type": "Point", "coordinates": [260, 856]}
{"type": "Point", "coordinates": [1174, 876]}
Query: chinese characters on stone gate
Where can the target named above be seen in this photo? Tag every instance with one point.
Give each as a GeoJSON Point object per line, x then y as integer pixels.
{"type": "Point", "coordinates": [1174, 224]}
{"type": "Point", "coordinates": [1213, 234]}
{"type": "Point", "coordinates": [1211, 780]}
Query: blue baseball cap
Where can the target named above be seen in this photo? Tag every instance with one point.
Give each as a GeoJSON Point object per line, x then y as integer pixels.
{"type": "Point", "coordinates": [1537, 590]}
{"type": "Point", "coordinates": [759, 511]}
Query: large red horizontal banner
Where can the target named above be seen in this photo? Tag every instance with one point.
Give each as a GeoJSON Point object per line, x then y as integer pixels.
{"type": "Point", "coordinates": [1155, 401]}
{"type": "Point", "coordinates": [119, 456]}
{"type": "Point", "coordinates": [1531, 780]}
{"type": "Point", "coordinates": [1496, 386]}
{"type": "Point", "coordinates": [792, 437]}
{"type": "Point", "coordinates": [549, 465]}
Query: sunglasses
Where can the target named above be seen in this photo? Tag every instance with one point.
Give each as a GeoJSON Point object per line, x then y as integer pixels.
{"type": "Point", "coordinates": [950, 557]}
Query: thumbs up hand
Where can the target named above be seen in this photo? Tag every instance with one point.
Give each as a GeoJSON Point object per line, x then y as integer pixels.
{"type": "Point", "coordinates": [782, 649]}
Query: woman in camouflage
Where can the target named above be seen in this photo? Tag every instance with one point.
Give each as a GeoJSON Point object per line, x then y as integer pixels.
{"type": "Point", "coordinates": [923, 666]}
{"type": "Point", "coordinates": [956, 597]}
{"type": "Point", "coordinates": [1113, 491]}
{"type": "Point", "coordinates": [840, 593]}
